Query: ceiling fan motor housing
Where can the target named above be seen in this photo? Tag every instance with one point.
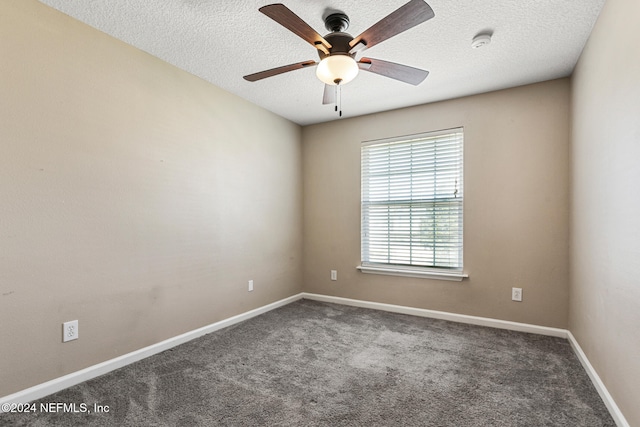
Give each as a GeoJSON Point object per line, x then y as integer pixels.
{"type": "Point", "coordinates": [339, 44]}
{"type": "Point", "coordinates": [337, 23]}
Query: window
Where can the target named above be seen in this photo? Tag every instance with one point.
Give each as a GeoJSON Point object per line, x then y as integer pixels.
{"type": "Point", "coordinates": [412, 205]}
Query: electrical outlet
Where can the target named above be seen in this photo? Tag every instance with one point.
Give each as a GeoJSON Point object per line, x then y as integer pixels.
{"type": "Point", "coordinates": [334, 274]}
{"type": "Point", "coordinates": [70, 331]}
{"type": "Point", "coordinates": [250, 285]}
{"type": "Point", "coordinates": [516, 294]}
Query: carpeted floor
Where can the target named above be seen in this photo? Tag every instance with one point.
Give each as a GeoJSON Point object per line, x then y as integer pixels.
{"type": "Point", "coordinates": [318, 364]}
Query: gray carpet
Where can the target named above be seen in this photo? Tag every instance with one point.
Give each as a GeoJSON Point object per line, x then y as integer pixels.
{"type": "Point", "coordinates": [318, 364]}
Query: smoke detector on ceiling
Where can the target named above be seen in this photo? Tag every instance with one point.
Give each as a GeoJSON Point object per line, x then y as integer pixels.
{"type": "Point", "coordinates": [481, 40]}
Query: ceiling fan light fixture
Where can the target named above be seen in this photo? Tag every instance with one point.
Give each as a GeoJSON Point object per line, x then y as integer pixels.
{"type": "Point", "coordinates": [337, 69]}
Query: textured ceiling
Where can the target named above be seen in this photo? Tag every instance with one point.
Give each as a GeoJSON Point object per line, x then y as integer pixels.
{"type": "Point", "coordinates": [223, 40]}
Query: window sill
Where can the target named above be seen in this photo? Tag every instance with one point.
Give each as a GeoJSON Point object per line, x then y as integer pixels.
{"type": "Point", "coordinates": [455, 276]}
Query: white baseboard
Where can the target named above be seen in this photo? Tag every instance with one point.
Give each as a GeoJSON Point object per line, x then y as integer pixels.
{"type": "Point", "coordinates": [58, 384]}
{"type": "Point", "coordinates": [41, 390]}
{"type": "Point", "coordinates": [460, 318]}
{"type": "Point", "coordinates": [615, 412]}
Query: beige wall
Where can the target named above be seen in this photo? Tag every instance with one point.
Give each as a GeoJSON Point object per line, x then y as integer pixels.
{"type": "Point", "coordinates": [605, 254]}
{"type": "Point", "coordinates": [134, 197]}
{"type": "Point", "coordinates": [139, 199]}
{"type": "Point", "coordinates": [516, 205]}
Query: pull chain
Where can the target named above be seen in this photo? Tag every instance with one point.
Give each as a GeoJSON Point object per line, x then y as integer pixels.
{"type": "Point", "coordinates": [338, 107]}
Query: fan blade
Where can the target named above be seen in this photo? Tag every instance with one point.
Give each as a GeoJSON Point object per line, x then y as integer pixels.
{"type": "Point", "coordinates": [285, 17]}
{"type": "Point", "coordinates": [278, 70]}
{"type": "Point", "coordinates": [329, 96]}
{"type": "Point", "coordinates": [408, 16]}
{"type": "Point", "coordinates": [404, 73]}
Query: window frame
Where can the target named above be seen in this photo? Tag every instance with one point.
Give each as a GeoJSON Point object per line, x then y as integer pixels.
{"type": "Point", "coordinates": [412, 270]}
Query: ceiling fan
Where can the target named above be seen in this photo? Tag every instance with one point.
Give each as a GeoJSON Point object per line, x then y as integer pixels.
{"type": "Point", "coordinates": [338, 50]}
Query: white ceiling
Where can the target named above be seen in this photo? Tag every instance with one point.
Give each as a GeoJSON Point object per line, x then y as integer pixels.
{"type": "Point", "coordinates": [223, 40]}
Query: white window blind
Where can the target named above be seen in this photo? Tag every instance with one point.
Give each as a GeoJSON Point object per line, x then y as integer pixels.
{"type": "Point", "coordinates": [412, 196]}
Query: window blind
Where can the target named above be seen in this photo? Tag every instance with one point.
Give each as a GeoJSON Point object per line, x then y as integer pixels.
{"type": "Point", "coordinates": [412, 201]}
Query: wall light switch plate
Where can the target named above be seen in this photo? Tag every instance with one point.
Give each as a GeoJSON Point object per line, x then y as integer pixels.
{"type": "Point", "coordinates": [334, 274]}
{"type": "Point", "coordinates": [250, 285]}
